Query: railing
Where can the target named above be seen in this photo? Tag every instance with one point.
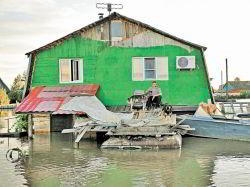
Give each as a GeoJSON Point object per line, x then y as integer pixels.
{"type": "Point", "coordinates": [8, 122]}
{"type": "Point", "coordinates": [234, 108]}
{"type": "Point", "coordinates": [8, 107]}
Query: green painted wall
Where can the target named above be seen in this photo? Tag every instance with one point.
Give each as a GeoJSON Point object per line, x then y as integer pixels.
{"type": "Point", "coordinates": [111, 67]}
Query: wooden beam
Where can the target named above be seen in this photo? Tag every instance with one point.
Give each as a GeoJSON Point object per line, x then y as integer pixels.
{"type": "Point", "coordinates": [28, 77]}
{"type": "Point", "coordinates": [84, 130]}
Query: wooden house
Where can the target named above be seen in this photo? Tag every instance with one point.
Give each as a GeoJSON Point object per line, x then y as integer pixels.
{"type": "Point", "coordinates": [128, 57]}
{"type": "Point", "coordinates": [236, 88]}
{"type": "Point", "coordinates": [118, 55]}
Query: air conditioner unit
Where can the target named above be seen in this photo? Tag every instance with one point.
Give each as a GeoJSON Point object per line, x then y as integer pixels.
{"type": "Point", "coordinates": [185, 62]}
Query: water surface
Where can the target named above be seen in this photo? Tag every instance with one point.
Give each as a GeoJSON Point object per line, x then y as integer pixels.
{"type": "Point", "coordinates": [53, 161]}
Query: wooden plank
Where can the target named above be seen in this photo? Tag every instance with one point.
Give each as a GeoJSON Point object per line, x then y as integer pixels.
{"type": "Point", "coordinates": [140, 133]}
{"type": "Point", "coordinates": [68, 131]}
{"type": "Point", "coordinates": [7, 118]}
{"type": "Point", "coordinates": [103, 129]}
{"type": "Point", "coordinates": [84, 130]}
{"type": "Point", "coordinates": [184, 126]}
{"type": "Point", "coordinates": [28, 76]}
{"type": "Point", "coordinates": [82, 124]}
{"type": "Point", "coordinates": [188, 129]}
{"type": "Point", "coordinates": [97, 128]}
{"type": "Point", "coordinates": [177, 124]}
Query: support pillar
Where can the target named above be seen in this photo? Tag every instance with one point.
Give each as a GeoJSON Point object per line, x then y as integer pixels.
{"type": "Point", "coordinates": [30, 126]}
{"type": "Point", "coordinates": [75, 134]}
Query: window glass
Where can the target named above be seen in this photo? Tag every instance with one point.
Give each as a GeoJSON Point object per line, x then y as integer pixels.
{"type": "Point", "coordinates": [74, 70]}
{"type": "Point", "coordinates": [150, 74]}
{"type": "Point", "coordinates": [149, 63]}
{"type": "Point", "coordinates": [117, 29]}
{"type": "Point", "coordinates": [149, 67]}
{"type": "Point", "coordinates": [64, 68]}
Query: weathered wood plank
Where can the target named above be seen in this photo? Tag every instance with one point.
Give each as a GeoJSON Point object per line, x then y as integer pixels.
{"type": "Point", "coordinates": [140, 133]}
{"type": "Point", "coordinates": [79, 137]}
{"type": "Point", "coordinates": [177, 124]}
{"type": "Point", "coordinates": [64, 131]}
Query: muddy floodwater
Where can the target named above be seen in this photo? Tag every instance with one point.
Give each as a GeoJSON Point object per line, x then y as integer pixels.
{"type": "Point", "coordinates": [52, 161]}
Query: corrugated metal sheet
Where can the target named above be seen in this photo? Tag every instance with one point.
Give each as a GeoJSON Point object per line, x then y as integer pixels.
{"type": "Point", "coordinates": [49, 99]}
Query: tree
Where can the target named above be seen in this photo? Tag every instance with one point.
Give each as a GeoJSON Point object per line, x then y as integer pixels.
{"type": "Point", "coordinates": [237, 79]}
{"type": "Point", "coordinates": [4, 99]}
{"type": "Point", "coordinates": [17, 87]}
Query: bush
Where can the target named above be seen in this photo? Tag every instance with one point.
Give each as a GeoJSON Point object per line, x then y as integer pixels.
{"type": "Point", "coordinates": [245, 94]}
{"type": "Point", "coordinates": [21, 123]}
{"type": "Point", "coordinates": [15, 96]}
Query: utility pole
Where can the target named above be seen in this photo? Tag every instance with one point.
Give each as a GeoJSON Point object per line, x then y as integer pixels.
{"type": "Point", "coordinates": [109, 8]}
{"type": "Point", "coordinates": [226, 79]}
{"type": "Point", "coordinates": [221, 78]}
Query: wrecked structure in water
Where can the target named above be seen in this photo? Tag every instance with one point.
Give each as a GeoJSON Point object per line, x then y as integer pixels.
{"type": "Point", "coordinates": [136, 129]}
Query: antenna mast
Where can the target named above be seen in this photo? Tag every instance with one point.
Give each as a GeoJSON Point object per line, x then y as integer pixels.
{"type": "Point", "coordinates": [109, 6]}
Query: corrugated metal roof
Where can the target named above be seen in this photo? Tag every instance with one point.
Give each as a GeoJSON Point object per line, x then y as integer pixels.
{"type": "Point", "coordinates": [49, 99]}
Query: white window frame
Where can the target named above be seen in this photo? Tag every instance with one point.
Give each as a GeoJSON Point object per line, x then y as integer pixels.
{"type": "Point", "coordinates": [157, 76]}
{"type": "Point", "coordinates": [80, 69]}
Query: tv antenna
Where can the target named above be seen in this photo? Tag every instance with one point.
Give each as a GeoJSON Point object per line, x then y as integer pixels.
{"type": "Point", "coordinates": [109, 6]}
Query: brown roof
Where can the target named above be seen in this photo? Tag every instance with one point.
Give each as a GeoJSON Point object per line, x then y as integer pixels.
{"type": "Point", "coordinates": [112, 16]}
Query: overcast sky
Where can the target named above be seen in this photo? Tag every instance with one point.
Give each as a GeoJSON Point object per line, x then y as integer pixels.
{"type": "Point", "coordinates": [220, 25]}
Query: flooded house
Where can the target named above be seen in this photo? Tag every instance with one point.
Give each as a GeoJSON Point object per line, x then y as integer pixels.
{"type": "Point", "coordinates": [111, 58]}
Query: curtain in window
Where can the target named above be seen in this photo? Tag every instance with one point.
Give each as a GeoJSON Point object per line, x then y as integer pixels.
{"type": "Point", "coordinates": [137, 69]}
{"type": "Point", "coordinates": [162, 68]}
{"type": "Point", "coordinates": [64, 70]}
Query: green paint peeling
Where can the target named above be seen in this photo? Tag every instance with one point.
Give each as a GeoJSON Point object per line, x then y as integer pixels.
{"type": "Point", "coordinates": [111, 67]}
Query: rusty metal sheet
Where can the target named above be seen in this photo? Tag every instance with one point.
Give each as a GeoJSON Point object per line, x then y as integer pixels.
{"type": "Point", "coordinates": [49, 99]}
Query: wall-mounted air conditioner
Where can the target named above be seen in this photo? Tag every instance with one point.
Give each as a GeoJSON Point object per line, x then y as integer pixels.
{"type": "Point", "coordinates": [185, 62]}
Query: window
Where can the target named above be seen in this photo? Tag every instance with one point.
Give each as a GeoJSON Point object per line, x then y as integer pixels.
{"type": "Point", "coordinates": [149, 68]}
{"type": "Point", "coordinates": [117, 29]}
{"type": "Point", "coordinates": [75, 70]}
{"type": "Point", "coordinates": [71, 70]}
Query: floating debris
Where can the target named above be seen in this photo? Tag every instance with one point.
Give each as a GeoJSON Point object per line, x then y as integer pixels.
{"type": "Point", "coordinates": [14, 155]}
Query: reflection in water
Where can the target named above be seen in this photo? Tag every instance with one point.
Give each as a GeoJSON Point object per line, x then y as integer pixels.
{"type": "Point", "coordinates": [53, 161]}
{"type": "Point", "coordinates": [3, 122]}
{"type": "Point", "coordinates": [11, 174]}
{"type": "Point", "coordinates": [235, 169]}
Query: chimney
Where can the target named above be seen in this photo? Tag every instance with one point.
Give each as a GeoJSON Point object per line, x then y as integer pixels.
{"type": "Point", "coordinates": [100, 15]}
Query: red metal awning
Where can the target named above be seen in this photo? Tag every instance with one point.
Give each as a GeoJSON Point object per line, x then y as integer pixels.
{"type": "Point", "coordinates": [49, 99]}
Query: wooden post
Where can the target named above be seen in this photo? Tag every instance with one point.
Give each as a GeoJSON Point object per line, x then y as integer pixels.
{"type": "Point", "coordinates": [75, 134]}
{"type": "Point", "coordinates": [75, 144]}
{"type": "Point", "coordinates": [28, 77]}
{"type": "Point", "coordinates": [30, 126]}
{"type": "Point", "coordinates": [8, 122]}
